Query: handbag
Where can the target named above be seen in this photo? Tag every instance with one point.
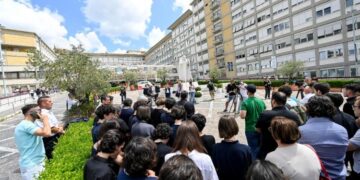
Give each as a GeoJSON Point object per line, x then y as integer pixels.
{"type": "Point", "coordinates": [324, 175]}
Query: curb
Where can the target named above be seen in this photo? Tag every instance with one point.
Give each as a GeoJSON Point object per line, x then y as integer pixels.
{"type": "Point", "coordinates": [10, 116]}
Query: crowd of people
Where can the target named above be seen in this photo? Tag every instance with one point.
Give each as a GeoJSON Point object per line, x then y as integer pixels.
{"type": "Point", "coordinates": [306, 138]}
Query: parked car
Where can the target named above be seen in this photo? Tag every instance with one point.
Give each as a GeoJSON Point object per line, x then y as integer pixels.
{"type": "Point", "coordinates": [143, 83]}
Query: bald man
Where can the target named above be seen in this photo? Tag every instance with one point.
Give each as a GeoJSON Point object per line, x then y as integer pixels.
{"type": "Point", "coordinates": [309, 92]}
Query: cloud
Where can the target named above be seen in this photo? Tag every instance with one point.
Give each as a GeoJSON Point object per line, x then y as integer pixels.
{"type": "Point", "coordinates": [122, 42]}
{"type": "Point", "coordinates": [183, 4]}
{"type": "Point", "coordinates": [47, 24]}
{"type": "Point", "coordinates": [155, 35]}
{"type": "Point", "coordinates": [89, 40]}
{"type": "Point", "coordinates": [119, 18]}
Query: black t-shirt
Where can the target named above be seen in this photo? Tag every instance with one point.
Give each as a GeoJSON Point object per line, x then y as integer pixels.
{"type": "Point", "coordinates": [231, 89]}
{"type": "Point", "coordinates": [208, 142]}
{"type": "Point", "coordinates": [267, 143]}
{"type": "Point", "coordinates": [231, 160]}
{"type": "Point", "coordinates": [348, 106]}
{"type": "Point", "coordinates": [99, 168]}
{"type": "Point", "coordinates": [156, 116]}
{"type": "Point", "coordinates": [162, 150]}
{"type": "Point", "coordinates": [347, 121]}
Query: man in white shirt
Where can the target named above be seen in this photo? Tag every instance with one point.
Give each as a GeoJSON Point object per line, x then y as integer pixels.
{"type": "Point", "coordinates": [308, 94]}
{"type": "Point", "coordinates": [45, 103]}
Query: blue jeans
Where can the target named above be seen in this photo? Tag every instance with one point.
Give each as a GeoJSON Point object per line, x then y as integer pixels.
{"type": "Point", "coordinates": [192, 97]}
{"type": "Point", "coordinates": [253, 139]}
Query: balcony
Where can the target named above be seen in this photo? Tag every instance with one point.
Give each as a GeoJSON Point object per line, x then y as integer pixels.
{"type": "Point", "coordinates": [219, 52]}
{"type": "Point", "coordinates": [220, 63]}
{"type": "Point", "coordinates": [217, 28]}
{"type": "Point", "coordinates": [215, 4]}
{"type": "Point", "coordinates": [218, 40]}
{"type": "Point", "coordinates": [216, 16]}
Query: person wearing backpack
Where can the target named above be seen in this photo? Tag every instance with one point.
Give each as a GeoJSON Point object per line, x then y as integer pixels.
{"type": "Point", "coordinates": [267, 143]}
{"type": "Point", "coordinates": [293, 104]}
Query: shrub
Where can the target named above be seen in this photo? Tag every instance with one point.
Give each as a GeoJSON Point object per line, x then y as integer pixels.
{"type": "Point", "coordinates": [203, 82]}
{"type": "Point", "coordinates": [198, 94]}
{"type": "Point", "coordinates": [198, 89]}
{"type": "Point", "coordinates": [219, 85]}
{"type": "Point", "coordinates": [274, 83]}
{"type": "Point", "coordinates": [338, 83]}
{"type": "Point", "coordinates": [70, 154]}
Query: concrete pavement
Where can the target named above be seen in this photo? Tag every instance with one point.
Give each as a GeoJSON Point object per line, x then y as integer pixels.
{"type": "Point", "coordinates": [9, 168]}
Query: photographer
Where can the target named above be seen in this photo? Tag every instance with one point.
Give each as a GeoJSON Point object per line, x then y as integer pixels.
{"type": "Point", "coordinates": [29, 142]}
{"type": "Point", "coordinates": [231, 89]}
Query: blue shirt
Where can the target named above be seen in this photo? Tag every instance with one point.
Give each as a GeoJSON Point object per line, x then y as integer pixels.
{"type": "Point", "coordinates": [330, 141]}
{"type": "Point", "coordinates": [123, 176]}
{"type": "Point", "coordinates": [30, 146]}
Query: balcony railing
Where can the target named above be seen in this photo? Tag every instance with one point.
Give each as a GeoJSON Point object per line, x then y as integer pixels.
{"type": "Point", "coordinates": [218, 40]}
{"type": "Point", "coordinates": [215, 4]}
{"type": "Point", "coordinates": [216, 16]}
{"type": "Point", "coordinates": [219, 52]}
{"type": "Point", "coordinates": [217, 29]}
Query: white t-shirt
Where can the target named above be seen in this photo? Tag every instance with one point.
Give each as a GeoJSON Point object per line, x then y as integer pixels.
{"type": "Point", "coordinates": [202, 161]}
{"type": "Point", "coordinates": [52, 119]}
{"type": "Point", "coordinates": [297, 161]}
{"type": "Point", "coordinates": [306, 98]}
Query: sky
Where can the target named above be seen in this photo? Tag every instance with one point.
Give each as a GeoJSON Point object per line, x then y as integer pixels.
{"type": "Point", "coordinates": [112, 26]}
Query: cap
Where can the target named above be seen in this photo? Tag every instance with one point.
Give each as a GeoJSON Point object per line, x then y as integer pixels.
{"type": "Point", "coordinates": [251, 88]}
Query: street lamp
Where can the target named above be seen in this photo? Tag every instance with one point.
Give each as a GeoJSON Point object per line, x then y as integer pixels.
{"type": "Point", "coordinates": [2, 62]}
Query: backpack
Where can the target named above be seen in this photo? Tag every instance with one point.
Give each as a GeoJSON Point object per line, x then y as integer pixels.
{"type": "Point", "coordinates": [299, 110]}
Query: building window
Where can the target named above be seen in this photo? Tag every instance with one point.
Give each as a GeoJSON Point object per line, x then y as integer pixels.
{"type": "Point", "coordinates": [230, 66]}
{"type": "Point", "coordinates": [327, 8]}
{"type": "Point", "coordinates": [280, 8]}
{"type": "Point", "coordinates": [332, 72]}
{"type": "Point", "coordinates": [283, 43]}
{"type": "Point", "coordinates": [282, 26]}
{"type": "Point", "coordinates": [263, 15]}
{"type": "Point", "coordinates": [238, 27]}
{"type": "Point", "coordinates": [329, 30]}
{"type": "Point", "coordinates": [297, 2]}
{"type": "Point", "coordinates": [331, 53]}
{"type": "Point", "coordinates": [264, 48]}
{"type": "Point", "coordinates": [303, 37]}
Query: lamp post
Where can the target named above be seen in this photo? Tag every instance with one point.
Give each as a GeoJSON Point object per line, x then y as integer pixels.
{"type": "Point", "coordinates": [2, 62]}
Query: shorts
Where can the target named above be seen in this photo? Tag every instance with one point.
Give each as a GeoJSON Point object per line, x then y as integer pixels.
{"type": "Point", "coordinates": [32, 172]}
{"type": "Point", "coordinates": [231, 97]}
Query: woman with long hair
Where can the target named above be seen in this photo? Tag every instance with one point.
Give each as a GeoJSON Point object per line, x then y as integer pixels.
{"type": "Point", "coordinates": [188, 143]}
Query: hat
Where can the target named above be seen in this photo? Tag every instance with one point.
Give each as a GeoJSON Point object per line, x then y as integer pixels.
{"type": "Point", "coordinates": [251, 88]}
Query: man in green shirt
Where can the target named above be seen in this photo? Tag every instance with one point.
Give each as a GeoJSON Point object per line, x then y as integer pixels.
{"type": "Point", "coordinates": [251, 109]}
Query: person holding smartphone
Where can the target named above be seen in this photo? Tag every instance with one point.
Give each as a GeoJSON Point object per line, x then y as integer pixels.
{"type": "Point", "coordinates": [29, 142]}
{"type": "Point", "coordinates": [45, 103]}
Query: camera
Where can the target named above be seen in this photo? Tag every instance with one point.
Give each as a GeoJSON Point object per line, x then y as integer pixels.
{"type": "Point", "coordinates": [34, 114]}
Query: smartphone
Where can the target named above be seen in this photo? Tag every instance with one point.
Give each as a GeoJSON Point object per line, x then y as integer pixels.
{"type": "Point", "coordinates": [34, 114]}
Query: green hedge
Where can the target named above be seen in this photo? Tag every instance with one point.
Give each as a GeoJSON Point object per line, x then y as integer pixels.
{"type": "Point", "coordinates": [198, 88]}
{"type": "Point", "coordinates": [203, 82]}
{"type": "Point", "coordinates": [70, 154]}
{"type": "Point", "coordinates": [274, 83]}
{"type": "Point", "coordinates": [339, 83]}
{"type": "Point", "coordinates": [219, 85]}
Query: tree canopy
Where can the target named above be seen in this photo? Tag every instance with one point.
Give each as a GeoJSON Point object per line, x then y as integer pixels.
{"type": "Point", "coordinates": [72, 71]}
{"type": "Point", "coordinates": [291, 68]}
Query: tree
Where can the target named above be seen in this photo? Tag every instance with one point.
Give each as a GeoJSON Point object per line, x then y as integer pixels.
{"type": "Point", "coordinates": [36, 63]}
{"type": "Point", "coordinates": [131, 77]}
{"type": "Point", "coordinates": [74, 72]}
{"type": "Point", "coordinates": [162, 74]}
{"type": "Point", "coordinates": [291, 68]}
{"type": "Point", "coordinates": [214, 74]}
